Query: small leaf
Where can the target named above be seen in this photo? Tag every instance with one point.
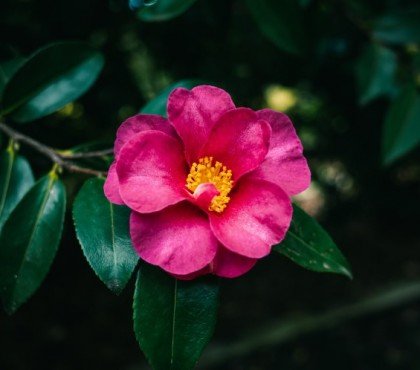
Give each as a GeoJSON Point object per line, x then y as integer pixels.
{"type": "Point", "coordinates": [16, 179]}
{"type": "Point", "coordinates": [29, 241]}
{"type": "Point", "coordinates": [173, 319]}
{"type": "Point", "coordinates": [103, 232]}
{"type": "Point", "coordinates": [398, 26]}
{"type": "Point", "coordinates": [281, 21]}
{"type": "Point", "coordinates": [7, 70]}
{"type": "Point", "coordinates": [402, 125]}
{"type": "Point", "coordinates": [163, 10]}
{"type": "Point", "coordinates": [309, 245]}
{"type": "Point", "coordinates": [52, 77]}
{"type": "Point", "coordinates": [375, 72]}
{"type": "Point", "coordinates": [158, 104]}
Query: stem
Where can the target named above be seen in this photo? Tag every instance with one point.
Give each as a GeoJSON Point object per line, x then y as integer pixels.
{"type": "Point", "coordinates": [53, 154]}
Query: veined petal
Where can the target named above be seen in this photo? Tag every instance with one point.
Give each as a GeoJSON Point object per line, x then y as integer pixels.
{"type": "Point", "coordinates": [257, 217]}
{"type": "Point", "coordinates": [151, 170]}
{"type": "Point", "coordinates": [178, 238]}
{"type": "Point", "coordinates": [240, 140]}
{"type": "Point", "coordinates": [284, 164]}
{"type": "Point", "coordinates": [112, 185]}
{"type": "Point", "coordinates": [194, 112]}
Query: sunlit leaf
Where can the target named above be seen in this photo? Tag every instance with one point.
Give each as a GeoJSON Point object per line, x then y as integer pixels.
{"type": "Point", "coordinates": [375, 72]}
{"type": "Point", "coordinates": [29, 241]}
{"type": "Point", "coordinates": [309, 245]}
{"type": "Point", "coordinates": [402, 125]}
{"type": "Point", "coordinates": [281, 21]}
{"type": "Point", "coordinates": [173, 319]}
{"type": "Point", "coordinates": [103, 231]}
{"type": "Point", "coordinates": [16, 179]}
{"type": "Point", "coordinates": [52, 77]}
{"type": "Point", "coordinates": [158, 104]}
{"type": "Point", "coordinates": [163, 10]}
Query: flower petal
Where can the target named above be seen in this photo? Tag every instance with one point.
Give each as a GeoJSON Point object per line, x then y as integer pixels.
{"type": "Point", "coordinates": [285, 164]}
{"type": "Point", "coordinates": [112, 186]}
{"type": "Point", "coordinates": [152, 171]}
{"type": "Point", "coordinates": [239, 140]}
{"type": "Point", "coordinates": [257, 217]}
{"type": "Point", "coordinates": [141, 122]}
{"type": "Point", "coordinates": [178, 238]}
{"type": "Point", "coordinates": [231, 265]}
{"type": "Point", "coordinates": [194, 112]}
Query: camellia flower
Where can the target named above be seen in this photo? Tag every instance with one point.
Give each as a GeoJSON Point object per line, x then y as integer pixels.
{"type": "Point", "coordinates": [209, 187]}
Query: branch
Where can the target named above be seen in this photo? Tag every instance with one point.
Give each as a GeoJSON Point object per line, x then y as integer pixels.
{"type": "Point", "coordinates": [52, 154]}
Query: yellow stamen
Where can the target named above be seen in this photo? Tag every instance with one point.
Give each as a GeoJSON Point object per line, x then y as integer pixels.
{"type": "Point", "coordinates": [205, 172]}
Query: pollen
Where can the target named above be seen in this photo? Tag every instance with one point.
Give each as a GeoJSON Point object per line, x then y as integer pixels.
{"type": "Point", "coordinates": [207, 171]}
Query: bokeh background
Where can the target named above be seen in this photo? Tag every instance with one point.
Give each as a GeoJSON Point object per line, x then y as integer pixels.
{"type": "Point", "coordinates": [279, 316]}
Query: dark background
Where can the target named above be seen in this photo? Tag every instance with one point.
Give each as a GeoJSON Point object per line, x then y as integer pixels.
{"type": "Point", "coordinates": [372, 212]}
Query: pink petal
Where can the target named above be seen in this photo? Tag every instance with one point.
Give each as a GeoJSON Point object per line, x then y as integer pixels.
{"type": "Point", "coordinates": [178, 238]}
{"type": "Point", "coordinates": [257, 217]}
{"type": "Point", "coordinates": [204, 271]}
{"type": "Point", "coordinates": [112, 185]}
{"type": "Point", "coordinates": [193, 114]}
{"type": "Point", "coordinates": [240, 140]}
{"type": "Point", "coordinates": [285, 164]}
{"type": "Point", "coordinates": [204, 194]}
{"type": "Point", "coordinates": [141, 122]}
{"type": "Point", "coordinates": [231, 265]}
{"type": "Point", "coordinates": [152, 171]}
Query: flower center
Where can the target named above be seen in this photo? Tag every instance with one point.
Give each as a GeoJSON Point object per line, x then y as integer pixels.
{"type": "Point", "coordinates": [205, 172]}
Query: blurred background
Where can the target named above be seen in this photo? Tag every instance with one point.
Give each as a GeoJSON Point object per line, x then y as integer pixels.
{"type": "Point", "coordinates": [278, 316]}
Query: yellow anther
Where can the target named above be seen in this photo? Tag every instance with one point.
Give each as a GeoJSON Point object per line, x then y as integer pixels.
{"type": "Point", "coordinates": [205, 172]}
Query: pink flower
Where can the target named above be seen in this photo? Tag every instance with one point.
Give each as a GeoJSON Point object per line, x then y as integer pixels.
{"type": "Point", "coordinates": [209, 187]}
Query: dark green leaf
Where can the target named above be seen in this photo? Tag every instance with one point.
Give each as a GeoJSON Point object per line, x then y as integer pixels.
{"type": "Point", "coordinates": [29, 241]}
{"type": "Point", "coordinates": [163, 10]}
{"type": "Point", "coordinates": [7, 70]}
{"type": "Point", "coordinates": [16, 179]}
{"type": "Point", "coordinates": [399, 26]}
{"type": "Point", "coordinates": [281, 21]}
{"type": "Point", "coordinates": [309, 245]}
{"type": "Point", "coordinates": [158, 104]}
{"type": "Point", "coordinates": [103, 231]}
{"type": "Point", "coordinates": [402, 125]}
{"type": "Point", "coordinates": [173, 319]}
{"type": "Point", "coordinates": [375, 72]}
{"type": "Point", "coordinates": [52, 77]}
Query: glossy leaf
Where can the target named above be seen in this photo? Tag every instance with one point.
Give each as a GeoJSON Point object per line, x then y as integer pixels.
{"type": "Point", "coordinates": [52, 77]}
{"type": "Point", "coordinates": [402, 125]}
{"type": "Point", "coordinates": [173, 319]}
{"type": "Point", "coordinates": [103, 232]}
{"type": "Point", "coordinates": [375, 72]}
{"type": "Point", "coordinates": [29, 241]}
{"type": "Point", "coordinates": [7, 70]}
{"type": "Point", "coordinates": [16, 179]}
{"type": "Point", "coordinates": [158, 104]}
{"type": "Point", "coordinates": [309, 245]}
{"type": "Point", "coordinates": [281, 21]}
{"type": "Point", "coordinates": [398, 26]}
{"type": "Point", "coordinates": [163, 10]}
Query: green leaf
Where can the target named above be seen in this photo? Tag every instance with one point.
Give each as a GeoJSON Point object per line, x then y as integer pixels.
{"type": "Point", "coordinates": [7, 70]}
{"type": "Point", "coordinates": [173, 319]}
{"type": "Point", "coordinates": [163, 10]}
{"type": "Point", "coordinates": [309, 245]}
{"type": "Point", "coordinates": [16, 179]}
{"type": "Point", "coordinates": [158, 104]}
{"type": "Point", "coordinates": [375, 72]}
{"type": "Point", "coordinates": [103, 232]}
{"type": "Point", "coordinates": [29, 241]}
{"type": "Point", "coordinates": [398, 26]}
{"type": "Point", "coordinates": [281, 21]}
{"type": "Point", "coordinates": [51, 78]}
{"type": "Point", "coordinates": [402, 125]}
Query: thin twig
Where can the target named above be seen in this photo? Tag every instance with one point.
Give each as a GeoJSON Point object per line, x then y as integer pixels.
{"type": "Point", "coordinates": [51, 153]}
{"type": "Point", "coordinates": [92, 154]}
